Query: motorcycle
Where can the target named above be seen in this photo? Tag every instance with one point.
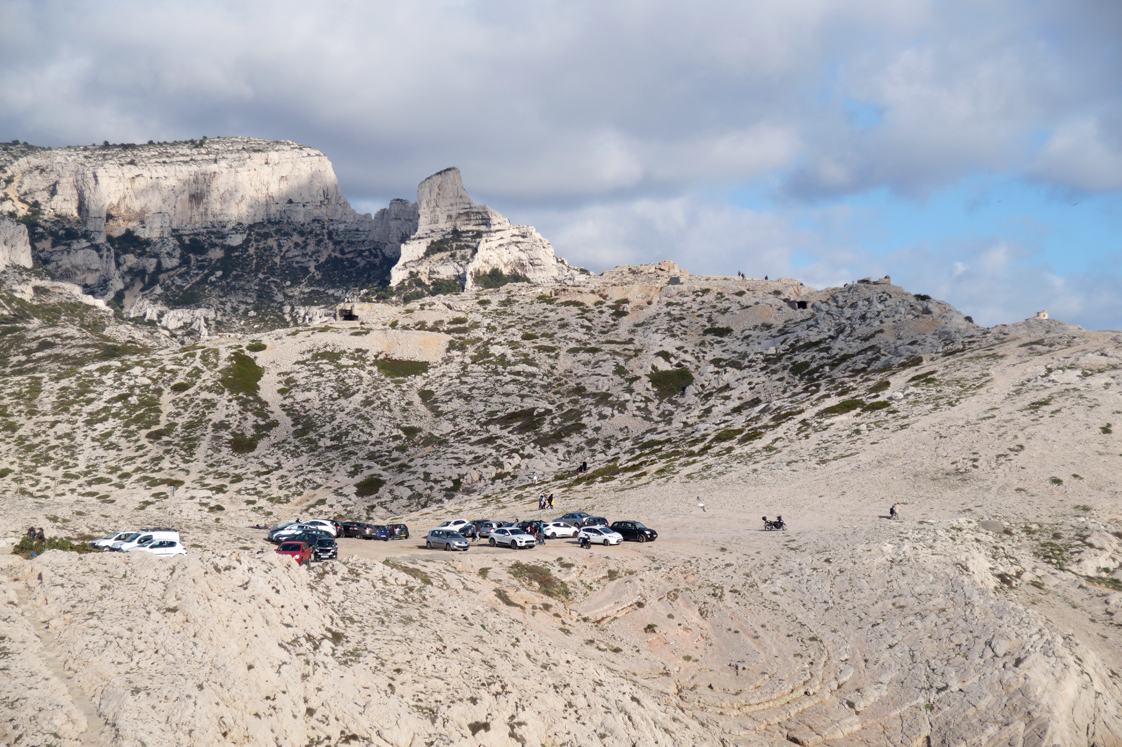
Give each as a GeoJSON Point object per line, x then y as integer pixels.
{"type": "Point", "coordinates": [778, 524]}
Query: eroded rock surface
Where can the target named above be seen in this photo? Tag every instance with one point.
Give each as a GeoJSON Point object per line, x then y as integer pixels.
{"type": "Point", "coordinates": [457, 240]}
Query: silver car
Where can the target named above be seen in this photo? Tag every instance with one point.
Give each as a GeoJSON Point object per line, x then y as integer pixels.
{"type": "Point", "coordinates": [446, 539]}
{"type": "Point", "coordinates": [512, 537]}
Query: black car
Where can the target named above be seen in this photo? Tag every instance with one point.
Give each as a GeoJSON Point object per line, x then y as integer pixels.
{"type": "Point", "coordinates": [309, 537]}
{"type": "Point", "coordinates": [357, 529]}
{"type": "Point", "coordinates": [398, 531]}
{"type": "Point", "coordinates": [530, 527]}
{"type": "Point", "coordinates": [634, 531]}
{"type": "Point", "coordinates": [325, 549]}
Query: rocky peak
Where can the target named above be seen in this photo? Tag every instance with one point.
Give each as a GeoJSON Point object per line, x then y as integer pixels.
{"type": "Point", "coordinates": [460, 242]}
{"type": "Point", "coordinates": [442, 199]}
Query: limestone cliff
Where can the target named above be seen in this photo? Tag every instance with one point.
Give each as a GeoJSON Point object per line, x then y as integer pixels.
{"type": "Point", "coordinates": [14, 246]}
{"type": "Point", "coordinates": [237, 226]}
{"type": "Point", "coordinates": [457, 240]}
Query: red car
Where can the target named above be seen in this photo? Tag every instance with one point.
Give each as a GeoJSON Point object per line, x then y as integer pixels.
{"type": "Point", "coordinates": [298, 551]}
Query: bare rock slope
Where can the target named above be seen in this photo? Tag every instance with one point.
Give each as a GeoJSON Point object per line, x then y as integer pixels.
{"type": "Point", "coordinates": [986, 615]}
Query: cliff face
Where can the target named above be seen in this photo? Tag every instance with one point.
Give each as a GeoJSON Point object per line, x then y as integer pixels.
{"type": "Point", "coordinates": [457, 240]}
{"type": "Point", "coordinates": [14, 246]}
{"type": "Point", "coordinates": [240, 231]}
{"type": "Point", "coordinates": [156, 189]}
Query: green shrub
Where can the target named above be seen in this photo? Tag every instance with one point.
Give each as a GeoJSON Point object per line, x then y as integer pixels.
{"type": "Point", "coordinates": [243, 444]}
{"type": "Point", "coordinates": [846, 405]}
{"type": "Point", "coordinates": [27, 546]}
{"type": "Point", "coordinates": [242, 375]}
{"type": "Point", "coordinates": [727, 434]}
{"type": "Point", "coordinates": [874, 406]}
{"type": "Point", "coordinates": [717, 331]}
{"type": "Point", "coordinates": [668, 383]}
{"type": "Point", "coordinates": [541, 577]}
{"type": "Point", "coordinates": [397, 369]}
{"type": "Point", "coordinates": [256, 347]}
{"type": "Point", "coordinates": [368, 487]}
{"type": "Point", "coordinates": [496, 278]}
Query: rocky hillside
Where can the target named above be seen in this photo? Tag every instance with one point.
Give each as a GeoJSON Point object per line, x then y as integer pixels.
{"type": "Point", "coordinates": [988, 615]}
{"type": "Point", "coordinates": [633, 370]}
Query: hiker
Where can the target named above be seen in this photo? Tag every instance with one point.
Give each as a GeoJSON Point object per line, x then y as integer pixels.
{"type": "Point", "coordinates": [551, 500]}
{"type": "Point", "coordinates": [541, 501]}
{"type": "Point", "coordinates": [892, 512]}
{"type": "Point", "coordinates": [31, 533]}
{"type": "Point", "coordinates": [39, 536]}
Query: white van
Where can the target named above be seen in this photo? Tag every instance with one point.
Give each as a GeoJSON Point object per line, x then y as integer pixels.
{"type": "Point", "coordinates": [143, 537]}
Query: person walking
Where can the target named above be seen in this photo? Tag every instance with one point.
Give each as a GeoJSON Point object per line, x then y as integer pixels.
{"type": "Point", "coordinates": [551, 500]}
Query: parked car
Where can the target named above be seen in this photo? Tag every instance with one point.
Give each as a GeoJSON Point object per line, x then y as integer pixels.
{"type": "Point", "coordinates": [454, 524]}
{"type": "Point", "coordinates": [555, 529]}
{"type": "Point", "coordinates": [573, 517]}
{"type": "Point", "coordinates": [161, 547]}
{"type": "Point", "coordinates": [512, 537]}
{"type": "Point", "coordinates": [600, 536]}
{"type": "Point", "coordinates": [288, 530]}
{"type": "Point", "coordinates": [593, 521]}
{"type": "Point", "coordinates": [310, 537]}
{"type": "Point", "coordinates": [531, 526]}
{"type": "Point", "coordinates": [446, 539]}
{"type": "Point", "coordinates": [143, 537]}
{"type": "Point", "coordinates": [484, 526]}
{"type": "Point", "coordinates": [398, 531]}
{"type": "Point", "coordinates": [634, 531]}
{"type": "Point", "coordinates": [325, 524]}
{"type": "Point", "coordinates": [298, 551]}
{"type": "Point", "coordinates": [106, 542]}
{"type": "Point", "coordinates": [325, 548]}
{"type": "Point", "coordinates": [357, 529]}
{"type": "Point", "coordinates": [380, 531]}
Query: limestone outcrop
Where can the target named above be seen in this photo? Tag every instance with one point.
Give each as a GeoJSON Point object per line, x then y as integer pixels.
{"type": "Point", "coordinates": [221, 223]}
{"type": "Point", "coordinates": [156, 189]}
{"type": "Point", "coordinates": [457, 240]}
{"type": "Point", "coordinates": [15, 249]}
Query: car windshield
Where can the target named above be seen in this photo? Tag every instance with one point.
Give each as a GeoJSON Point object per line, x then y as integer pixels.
{"type": "Point", "coordinates": [637, 525]}
{"type": "Point", "coordinates": [328, 542]}
{"type": "Point", "coordinates": [130, 536]}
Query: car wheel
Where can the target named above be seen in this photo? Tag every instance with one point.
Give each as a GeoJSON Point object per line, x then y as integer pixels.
{"type": "Point", "coordinates": [428, 545]}
{"type": "Point", "coordinates": [447, 545]}
{"type": "Point", "coordinates": [491, 542]}
{"type": "Point", "coordinates": [405, 536]}
{"type": "Point", "coordinates": [642, 538]}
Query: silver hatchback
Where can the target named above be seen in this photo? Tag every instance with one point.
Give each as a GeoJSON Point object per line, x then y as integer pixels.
{"type": "Point", "coordinates": [446, 539]}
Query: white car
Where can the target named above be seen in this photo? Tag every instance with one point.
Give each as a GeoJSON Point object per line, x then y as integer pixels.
{"type": "Point", "coordinates": [106, 542]}
{"type": "Point", "coordinates": [323, 524]}
{"type": "Point", "coordinates": [512, 537]}
{"type": "Point", "coordinates": [143, 537]}
{"type": "Point", "coordinates": [161, 547]}
{"type": "Point", "coordinates": [555, 529]}
{"type": "Point", "coordinates": [600, 536]}
{"type": "Point", "coordinates": [454, 524]}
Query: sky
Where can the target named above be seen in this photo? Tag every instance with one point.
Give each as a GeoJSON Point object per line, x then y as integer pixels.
{"type": "Point", "coordinates": [972, 150]}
